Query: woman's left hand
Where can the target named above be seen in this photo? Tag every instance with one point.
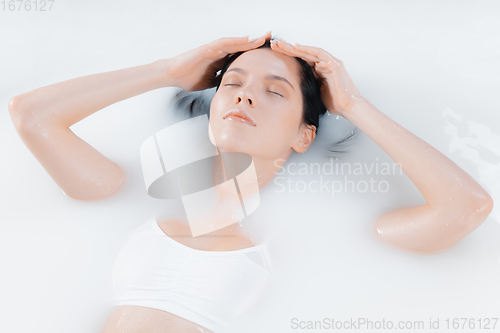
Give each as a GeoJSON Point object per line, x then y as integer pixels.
{"type": "Point", "coordinates": [338, 92]}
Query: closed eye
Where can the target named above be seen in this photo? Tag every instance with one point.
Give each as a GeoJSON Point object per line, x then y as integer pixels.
{"type": "Point", "coordinates": [233, 84]}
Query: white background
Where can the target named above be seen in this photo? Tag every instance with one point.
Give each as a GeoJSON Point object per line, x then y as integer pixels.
{"type": "Point", "coordinates": [432, 66]}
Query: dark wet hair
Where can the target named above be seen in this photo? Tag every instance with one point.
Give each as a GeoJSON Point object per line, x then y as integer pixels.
{"type": "Point", "coordinates": [198, 103]}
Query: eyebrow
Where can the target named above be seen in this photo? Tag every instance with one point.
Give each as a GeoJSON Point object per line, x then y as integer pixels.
{"type": "Point", "coordinates": [268, 77]}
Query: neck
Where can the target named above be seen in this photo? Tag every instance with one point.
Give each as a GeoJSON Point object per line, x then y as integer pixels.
{"type": "Point", "coordinates": [226, 210]}
{"type": "Point", "coordinates": [247, 179]}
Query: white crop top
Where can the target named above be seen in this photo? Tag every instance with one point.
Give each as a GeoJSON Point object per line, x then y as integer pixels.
{"type": "Point", "coordinates": [208, 288]}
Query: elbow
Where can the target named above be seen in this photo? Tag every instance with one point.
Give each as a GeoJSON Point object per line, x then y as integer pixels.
{"type": "Point", "coordinates": [436, 230]}
{"type": "Point", "coordinates": [468, 221]}
{"type": "Point", "coordinates": [479, 203]}
{"type": "Point", "coordinates": [14, 108]}
{"type": "Point", "coordinates": [477, 210]}
{"type": "Point", "coordinates": [414, 242]}
{"type": "Point", "coordinates": [487, 205]}
{"type": "Point", "coordinates": [16, 111]}
{"type": "Point", "coordinates": [20, 111]}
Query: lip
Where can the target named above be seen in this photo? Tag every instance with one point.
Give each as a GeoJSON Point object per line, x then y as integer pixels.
{"type": "Point", "coordinates": [240, 115]}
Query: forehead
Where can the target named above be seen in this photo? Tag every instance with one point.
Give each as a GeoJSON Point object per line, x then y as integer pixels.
{"type": "Point", "coordinates": [266, 61]}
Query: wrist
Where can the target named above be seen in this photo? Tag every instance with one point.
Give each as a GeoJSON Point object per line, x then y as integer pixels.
{"type": "Point", "coordinates": [354, 108]}
{"type": "Point", "coordinates": [161, 69]}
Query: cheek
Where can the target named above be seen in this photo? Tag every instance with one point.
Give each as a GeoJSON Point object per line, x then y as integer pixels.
{"type": "Point", "coordinates": [286, 118]}
{"type": "Point", "coordinates": [211, 135]}
{"type": "Point", "coordinates": [283, 126]}
{"type": "Point", "coordinates": [213, 103]}
{"type": "Point", "coordinates": [282, 133]}
{"type": "Point", "coordinates": [217, 106]}
{"type": "Point", "coordinates": [215, 112]}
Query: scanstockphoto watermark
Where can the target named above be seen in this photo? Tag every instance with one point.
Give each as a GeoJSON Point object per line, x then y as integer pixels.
{"type": "Point", "coordinates": [336, 177]}
{"type": "Point", "coordinates": [357, 324]}
{"type": "Point", "coordinates": [463, 324]}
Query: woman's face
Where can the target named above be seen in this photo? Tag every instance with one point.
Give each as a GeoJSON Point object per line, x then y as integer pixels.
{"type": "Point", "coordinates": [266, 85]}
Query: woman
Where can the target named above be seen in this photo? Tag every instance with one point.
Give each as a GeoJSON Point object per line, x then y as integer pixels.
{"type": "Point", "coordinates": [264, 84]}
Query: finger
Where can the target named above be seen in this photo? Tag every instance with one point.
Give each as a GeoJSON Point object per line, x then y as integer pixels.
{"type": "Point", "coordinates": [313, 64]}
{"type": "Point", "coordinates": [218, 46]}
{"type": "Point", "coordinates": [279, 47]}
{"type": "Point", "coordinates": [289, 51]}
{"type": "Point", "coordinates": [317, 52]}
{"type": "Point", "coordinates": [238, 44]}
{"type": "Point", "coordinates": [266, 36]}
{"type": "Point", "coordinates": [320, 56]}
{"type": "Point", "coordinates": [275, 47]}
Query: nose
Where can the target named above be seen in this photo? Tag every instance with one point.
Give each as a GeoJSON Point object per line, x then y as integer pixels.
{"type": "Point", "coordinates": [243, 97]}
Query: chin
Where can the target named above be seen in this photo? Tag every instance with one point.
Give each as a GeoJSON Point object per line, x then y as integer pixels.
{"type": "Point", "coordinates": [233, 137]}
{"type": "Point", "coordinates": [233, 141]}
{"type": "Point", "coordinates": [229, 144]}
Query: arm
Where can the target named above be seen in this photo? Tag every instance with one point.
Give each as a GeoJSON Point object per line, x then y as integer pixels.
{"type": "Point", "coordinates": [42, 118]}
{"type": "Point", "coordinates": [456, 203]}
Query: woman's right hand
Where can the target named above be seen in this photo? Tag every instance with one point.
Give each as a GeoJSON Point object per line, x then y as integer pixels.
{"type": "Point", "coordinates": [196, 69]}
